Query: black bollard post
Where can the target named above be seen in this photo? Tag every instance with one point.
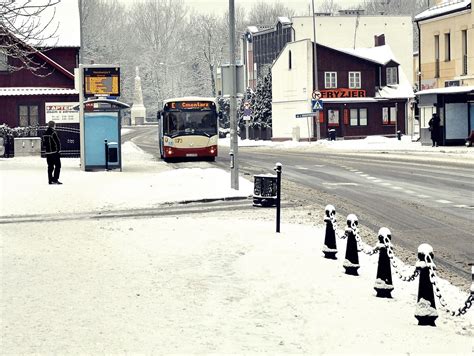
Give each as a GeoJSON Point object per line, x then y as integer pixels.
{"type": "Point", "coordinates": [330, 248]}
{"type": "Point", "coordinates": [425, 312]}
{"type": "Point", "coordinates": [351, 262]}
{"type": "Point", "coordinates": [383, 282]}
{"type": "Point", "coordinates": [106, 155]}
{"type": "Point", "coordinates": [278, 199]}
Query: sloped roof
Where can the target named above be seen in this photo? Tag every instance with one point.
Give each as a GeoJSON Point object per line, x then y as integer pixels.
{"type": "Point", "coordinates": [380, 54]}
{"type": "Point", "coordinates": [446, 7]}
{"type": "Point", "coordinates": [61, 23]}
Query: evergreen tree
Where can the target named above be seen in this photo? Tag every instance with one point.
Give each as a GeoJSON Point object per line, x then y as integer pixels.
{"type": "Point", "coordinates": [262, 113]}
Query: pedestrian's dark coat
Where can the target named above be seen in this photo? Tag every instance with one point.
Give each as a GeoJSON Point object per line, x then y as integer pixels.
{"type": "Point", "coordinates": [51, 141]}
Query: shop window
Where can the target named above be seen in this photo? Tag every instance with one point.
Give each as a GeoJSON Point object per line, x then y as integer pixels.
{"type": "Point", "coordinates": [330, 80]}
{"type": "Point", "coordinates": [354, 80]}
{"type": "Point", "coordinates": [28, 115]}
{"type": "Point", "coordinates": [392, 77]}
{"type": "Point", "coordinates": [389, 115]}
{"type": "Point", "coordinates": [358, 117]}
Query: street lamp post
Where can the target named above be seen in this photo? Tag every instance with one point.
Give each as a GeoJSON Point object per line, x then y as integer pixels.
{"type": "Point", "coordinates": [234, 147]}
{"type": "Point", "coordinates": [315, 74]}
{"type": "Point", "coordinates": [166, 73]}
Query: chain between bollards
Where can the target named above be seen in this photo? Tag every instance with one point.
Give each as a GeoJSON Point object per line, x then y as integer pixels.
{"type": "Point", "coordinates": [390, 253]}
{"type": "Point", "coordinates": [433, 279]}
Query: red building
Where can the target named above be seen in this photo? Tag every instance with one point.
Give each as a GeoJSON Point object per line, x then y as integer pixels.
{"type": "Point", "coordinates": [26, 94]}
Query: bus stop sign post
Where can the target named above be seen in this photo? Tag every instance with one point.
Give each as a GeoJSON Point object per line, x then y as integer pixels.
{"type": "Point", "coordinates": [278, 171]}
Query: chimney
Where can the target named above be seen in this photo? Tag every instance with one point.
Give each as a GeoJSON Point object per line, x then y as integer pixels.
{"type": "Point", "coordinates": [379, 40]}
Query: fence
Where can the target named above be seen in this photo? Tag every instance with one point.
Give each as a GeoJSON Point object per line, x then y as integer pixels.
{"type": "Point", "coordinates": [69, 136]}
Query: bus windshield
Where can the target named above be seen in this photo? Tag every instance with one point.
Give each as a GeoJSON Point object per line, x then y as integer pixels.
{"type": "Point", "coordinates": [190, 123]}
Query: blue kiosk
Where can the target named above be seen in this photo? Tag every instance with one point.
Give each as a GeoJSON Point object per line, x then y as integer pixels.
{"type": "Point", "coordinates": [101, 134]}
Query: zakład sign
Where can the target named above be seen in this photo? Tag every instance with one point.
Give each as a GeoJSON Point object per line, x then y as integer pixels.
{"type": "Point", "coordinates": [342, 93]}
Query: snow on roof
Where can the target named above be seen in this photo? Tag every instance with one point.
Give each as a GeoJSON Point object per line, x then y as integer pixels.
{"type": "Point", "coordinates": [448, 90]}
{"type": "Point", "coordinates": [284, 20]}
{"type": "Point", "coordinates": [64, 29]}
{"type": "Point", "coordinates": [447, 6]}
{"type": "Point", "coordinates": [252, 29]}
{"type": "Point", "coordinates": [16, 91]}
{"type": "Point", "coordinates": [379, 54]}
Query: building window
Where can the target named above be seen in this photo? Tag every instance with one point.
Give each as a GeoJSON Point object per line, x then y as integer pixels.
{"type": "Point", "coordinates": [330, 80]}
{"type": "Point", "coordinates": [289, 59]}
{"type": "Point", "coordinates": [392, 76]}
{"type": "Point", "coordinates": [389, 115]}
{"type": "Point", "coordinates": [447, 47]}
{"type": "Point", "coordinates": [436, 55]}
{"type": "Point", "coordinates": [464, 52]}
{"type": "Point", "coordinates": [358, 117]}
{"type": "Point", "coordinates": [28, 115]}
{"type": "Point", "coordinates": [3, 62]}
{"type": "Point", "coordinates": [354, 80]}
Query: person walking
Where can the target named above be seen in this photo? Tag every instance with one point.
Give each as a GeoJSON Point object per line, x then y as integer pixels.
{"type": "Point", "coordinates": [434, 125]}
{"type": "Point", "coordinates": [53, 153]}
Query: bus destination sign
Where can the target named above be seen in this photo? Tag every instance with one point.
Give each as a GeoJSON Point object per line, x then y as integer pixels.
{"type": "Point", "coordinates": [190, 105]}
{"type": "Point", "coordinates": [101, 82]}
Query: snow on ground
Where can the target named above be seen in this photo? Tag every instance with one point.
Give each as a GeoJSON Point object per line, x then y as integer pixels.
{"type": "Point", "coordinates": [188, 284]}
{"type": "Point", "coordinates": [143, 183]}
{"type": "Point", "coordinates": [368, 144]}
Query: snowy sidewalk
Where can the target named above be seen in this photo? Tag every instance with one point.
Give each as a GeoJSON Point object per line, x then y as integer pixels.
{"type": "Point", "coordinates": [189, 285]}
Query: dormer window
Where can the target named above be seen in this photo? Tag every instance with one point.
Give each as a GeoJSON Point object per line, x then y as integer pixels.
{"type": "Point", "coordinates": [392, 76]}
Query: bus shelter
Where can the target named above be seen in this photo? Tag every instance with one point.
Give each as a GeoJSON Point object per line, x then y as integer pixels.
{"type": "Point", "coordinates": [100, 136]}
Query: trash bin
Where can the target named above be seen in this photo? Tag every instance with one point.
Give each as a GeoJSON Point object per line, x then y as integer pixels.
{"type": "Point", "coordinates": [265, 190]}
{"type": "Point", "coordinates": [295, 133]}
{"type": "Point", "coordinates": [332, 135]}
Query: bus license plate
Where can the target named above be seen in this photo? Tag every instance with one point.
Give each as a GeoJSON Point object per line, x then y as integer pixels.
{"type": "Point", "coordinates": [191, 154]}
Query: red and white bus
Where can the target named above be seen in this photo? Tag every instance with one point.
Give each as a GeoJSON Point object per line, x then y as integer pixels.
{"type": "Point", "coordinates": [188, 128]}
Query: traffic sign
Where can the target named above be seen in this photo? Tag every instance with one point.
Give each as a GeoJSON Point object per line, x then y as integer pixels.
{"type": "Point", "coordinates": [307, 114]}
{"type": "Point", "coordinates": [247, 112]}
{"type": "Point", "coordinates": [317, 105]}
{"type": "Point", "coordinates": [316, 95]}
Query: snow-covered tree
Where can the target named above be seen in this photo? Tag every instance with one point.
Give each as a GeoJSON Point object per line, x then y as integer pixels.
{"type": "Point", "coordinates": [265, 14]}
{"type": "Point", "coordinates": [262, 108]}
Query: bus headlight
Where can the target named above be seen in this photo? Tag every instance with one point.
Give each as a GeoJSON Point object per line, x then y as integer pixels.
{"type": "Point", "coordinates": [169, 151]}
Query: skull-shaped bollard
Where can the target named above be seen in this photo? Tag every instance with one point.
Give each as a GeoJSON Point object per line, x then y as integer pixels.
{"type": "Point", "coordinates": [351, 262]}
{"type": "Point", "coordinates": [330, 248]}
{"type": "Point", "coordinates": [383, 282]}
{"type": "Point", "coordinates": [425, 312]}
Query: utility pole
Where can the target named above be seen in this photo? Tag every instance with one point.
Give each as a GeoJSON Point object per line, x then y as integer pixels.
{"type": "Point", "coordinates": [315, 74]}
{"type": "Point", "coordinates": [234, 145]}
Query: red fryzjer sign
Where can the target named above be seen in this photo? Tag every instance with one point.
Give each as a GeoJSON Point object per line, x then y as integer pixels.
{"type": "Point", "coordinates": [342, 93]}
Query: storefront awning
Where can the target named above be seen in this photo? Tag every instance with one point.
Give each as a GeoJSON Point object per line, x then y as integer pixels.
{"type": "Point", "coordinates": [25, 91]}
{"type": "Point", "coordinates": [447, 90]}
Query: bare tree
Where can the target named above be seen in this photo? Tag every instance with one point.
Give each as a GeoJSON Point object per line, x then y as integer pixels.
{"type": "Point", "coordinates": [328, 6]}
{"type": "Point", "coordinates": [24, 30]}
{"type": "Point", "coordinates": [265, 14]}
